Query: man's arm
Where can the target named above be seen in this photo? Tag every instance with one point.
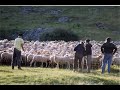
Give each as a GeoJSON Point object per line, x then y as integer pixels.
{"type": "Point", "coordinates": [91, 45]}
{"type": "Point", "coordinates": [22, 43]}
{"type": "Point", "coordinates": [22, 47]}
{"type": "Point", "coordinates": [75, 48]}
{"type": "Point", "coordinates": [115, 49]}
{"type": "Point", "coordinates": [102, 48]}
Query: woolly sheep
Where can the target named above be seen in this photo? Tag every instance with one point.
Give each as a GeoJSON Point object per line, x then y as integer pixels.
{"type": "Point", "coordinates": [40, 58]}
{"type": "Point", "coordinates": [6, 57]}
{"type": "Point", "coordinates": [96, 61]}
{"type": "Point", "coordinates": [116, 61]}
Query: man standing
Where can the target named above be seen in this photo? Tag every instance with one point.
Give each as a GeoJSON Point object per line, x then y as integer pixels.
{"type": "Point", "coordinates": [108, 49]}
{"type": "Point", "coordinates": [18, 45]}
{"type": "Point", "coordinates": [88, 47]}
{"type": "Point", "coordinates": [80, 50]}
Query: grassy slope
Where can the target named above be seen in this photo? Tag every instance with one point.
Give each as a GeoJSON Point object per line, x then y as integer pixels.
{"type": "Point", "coordinates": [83, 20]}
{"type": "Point", "coordinates": [48, 76]}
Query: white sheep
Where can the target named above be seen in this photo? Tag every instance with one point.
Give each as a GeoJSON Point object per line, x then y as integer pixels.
{"type": "Point", "coordinates": [96, 61]}
{"type": "Point", "coordinates": [0, 55]}
{"type": "Point", "coordinates": [60, 60]}
{"type": "Point", "coordinates": [24, 58]}
{"type": "Point", "coordinates": [40, 58]}
{"type": "Point", "coordinates": [60, 48]}
{"type": "Point", "coordinates": [6, 57]}
{"type": "Point", "coordinates": [70, 61]}
{"type": "Point", "coordinates": [29, 58]}
{"type": "Point", "coordinates": [116, 61]}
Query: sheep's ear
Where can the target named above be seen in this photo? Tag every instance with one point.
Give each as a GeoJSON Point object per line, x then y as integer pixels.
{"type": "Point", "coordinates": [101, 56]}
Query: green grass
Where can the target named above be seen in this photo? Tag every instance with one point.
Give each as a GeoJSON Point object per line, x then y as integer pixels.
{"type": "Point", "coordinates": [54, 76]}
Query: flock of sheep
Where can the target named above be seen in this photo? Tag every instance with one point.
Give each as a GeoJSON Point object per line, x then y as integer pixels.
{"type": "Point", "coordinates": [52, 53]}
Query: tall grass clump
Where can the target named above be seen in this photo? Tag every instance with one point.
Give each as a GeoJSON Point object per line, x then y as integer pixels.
{"type": "Point", "coordinates": [59, 34]}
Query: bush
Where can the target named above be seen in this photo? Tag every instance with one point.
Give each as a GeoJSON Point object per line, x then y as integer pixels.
{"type": "Point", "coordinates": [5, 34]}
{"type": "Point", "coordinates": [59, 34]}
{"type": "Point", "coordinates": [8, 33]}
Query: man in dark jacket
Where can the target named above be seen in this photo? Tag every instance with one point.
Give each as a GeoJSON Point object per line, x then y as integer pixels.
{"type": "Point", "coordinates": [88, 47]}
{"type": "Point", "coordinates": [80, 50]}
{"type": "Point", "coordinates": [108, 49]}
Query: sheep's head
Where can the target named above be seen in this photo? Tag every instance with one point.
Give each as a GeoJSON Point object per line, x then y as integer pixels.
{"type": "Point", "coordinates": [99, 56]}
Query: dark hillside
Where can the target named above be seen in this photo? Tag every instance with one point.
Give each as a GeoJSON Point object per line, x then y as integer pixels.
{"type": "Point", "coordinates": [95, 22]}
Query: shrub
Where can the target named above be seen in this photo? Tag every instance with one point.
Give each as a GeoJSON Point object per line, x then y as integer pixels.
{"type": "Point", "coordinates": [8, 33]}
{"type": "Point", "coordinates": [59, 34]}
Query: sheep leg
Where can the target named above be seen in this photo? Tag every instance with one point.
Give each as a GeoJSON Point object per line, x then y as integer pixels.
{"type": "Point", "coordinates": [69, 65]}
{"type": "Point", "coordinates": [25, 61]}
{"type": "Point", "coordinates": [62, 65]}
{"type": "Point", "coordinates": [42, 64]}
{"type": "Point", "coordinates": [72, 66]}
{"type": "Point", "coordinates": [82, 64]}
{"type": "Point", "coordinates": [34, 64]}
{"type": "Point", "coordinates": [57, 65]}
{"type": "Point", "coordinates": [31, 63]}
{"type": "Point", "coordinates": [46, 64]}
{"type": "Point", "coordinates": [52, 64]}
{"type": "Point", "coordinates": [91, 65]}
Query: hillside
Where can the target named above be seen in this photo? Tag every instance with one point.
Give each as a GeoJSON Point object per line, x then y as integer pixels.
{"type": "Point", "coordinates": [95, 22]}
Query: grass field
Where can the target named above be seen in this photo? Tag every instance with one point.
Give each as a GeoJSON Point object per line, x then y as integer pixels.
{"type": "Point", "coordinates": [54, 76]}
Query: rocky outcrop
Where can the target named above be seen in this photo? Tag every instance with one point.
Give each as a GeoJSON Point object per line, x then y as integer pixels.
{"type": "Point", "coordinates": [35, 34]}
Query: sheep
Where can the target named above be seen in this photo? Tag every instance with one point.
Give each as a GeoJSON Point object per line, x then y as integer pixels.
{"type": "Point", "coordinates": [6, 57]}
{"type": "Point", "coordinates": [116, 61]}
{"type": "Point", "coordinates": [96, 61]}
{"type": "Point", "coordinates": [0, 55]}
{"type": "Point", "coordinates": [70, 61]}
{"type": "Point", "coordinates": [52, 61]}
{"type": "Point", "coordinates": [3, 41]}
{"type": "Point", "coordinates": [1, 47]}
{"type": "Point", "coordinates": [29, 58]}
{"type": "Point", "coordinates": [64, 51]}
{"type": "Point", "coordinates": [60, 60]}
{"type": "Point", "coordinates": [24, 58]}
{"type": "Point", "coordinates": [40, 58]}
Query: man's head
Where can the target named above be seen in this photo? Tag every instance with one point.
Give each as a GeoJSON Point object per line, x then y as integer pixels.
{"type": "Point", "coordinates": [108, 39]}
{"type": "Point", "coordinates": [88, 40]}
{"type": "Point", "coordinates": [20, 34]}
{"type": "Point", "coordinates": [82, 43]}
